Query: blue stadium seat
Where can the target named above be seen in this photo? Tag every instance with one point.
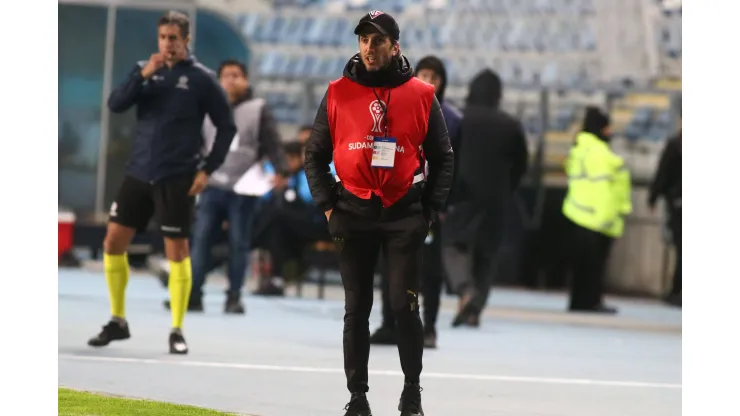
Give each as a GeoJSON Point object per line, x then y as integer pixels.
{"type": "Point", "coordinates": [564, 117]}
{"type": "Point", "coordinates": [532, 125]}
{"type": "Point", "coordinates": [248, 24]}
{"type": "Point", "coordinates": [327, 36]}
{"type": "Point", "coordinates": [587, 39]}
{"type": "Point", "coordinates": [464, 29]}
{"type": "Point", "coordinates": [549, 74]}
{"type": "Point", "coordinates": [292, 67]}
{"type": "Point", "coordinates": [296, 3]}
{"type": "Point", "coordinates": [656, 134]}
{"type": "Point", "coordinates": [268, 63]}
{"type": "Point", "coordinates": [663, 120]}
{"type": "Point", "coordinates": [633, 132]}
{"type": "Point", "coordinates": [308, 65]}
{"type": "Point", "coordinates": [291, 31]}
{"type": "Point", "coordinates": [643, 116]}
{"type": "Point", "coordinates": [316, 32]}
{"type": "Point", "coordinates": [357, 5]}
{"type": "Point", "coordinates": [281, 64]}
{"type": "Point", "coordinates": [338, 69]}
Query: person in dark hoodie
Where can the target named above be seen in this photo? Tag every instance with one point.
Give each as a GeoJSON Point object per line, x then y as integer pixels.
{"type": "Point", "coordinates": [380, 125]}
{"type": "Point", "coordinates": [431, 70]}
{"type": "Point", "coordinates": [492, 161]}
{"type": "Point", "coordinates": [667, 184]}
{"type": "Point", "coordinates": [597, 201]}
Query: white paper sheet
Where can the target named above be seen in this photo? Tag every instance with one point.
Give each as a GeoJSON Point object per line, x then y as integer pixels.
{"type": "Point", "coordinates": [255, 182]}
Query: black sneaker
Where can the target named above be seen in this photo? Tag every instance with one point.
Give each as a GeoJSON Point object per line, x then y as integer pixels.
{"type": "Point", "coordinates": [410, 404]}
{"type": "Point", "coordinates": [177, 343]}
{"type": "Point", "coordinates": [112, 331]}
{"type": "Point", "coordinates": [430, 338]}
{"type": "Point", "coordinates": [468, 315]}
{"type": "Point", "coordinates": [358, 406]}
{"type": "Point", "coordinates": [673, 299]}
{"type": "Point", "coordinates": [234, 304]}
{"type": "Point", "coordinates": [271, 287]}
{"type": "Point", "coordinates": [385, 335]}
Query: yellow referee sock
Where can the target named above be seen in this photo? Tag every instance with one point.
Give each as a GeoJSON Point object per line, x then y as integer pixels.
{"type": "Point", "coordinates": [180, 284]}
{"type": "Point", "coordinates": [116, 275]}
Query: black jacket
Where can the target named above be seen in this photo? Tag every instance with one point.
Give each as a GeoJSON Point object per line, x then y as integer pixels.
{"type": "Point", "coordinates": [170, 108]}
{"type": "Point", "coordinates": [667, 181]}
{"type": "Point", "coordinates": [493, 159]}
{"type": "Point", "coordinates": [432, 194]}
{"type": "Point", "coordinates": [493, 148]}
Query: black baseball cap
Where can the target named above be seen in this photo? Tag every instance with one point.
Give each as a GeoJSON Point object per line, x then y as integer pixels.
{"type": "Point", "coordinates": [383, 22]}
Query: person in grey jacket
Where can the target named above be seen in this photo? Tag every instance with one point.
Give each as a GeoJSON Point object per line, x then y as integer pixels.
{"type": "Point", "coordinates": [257, 136]}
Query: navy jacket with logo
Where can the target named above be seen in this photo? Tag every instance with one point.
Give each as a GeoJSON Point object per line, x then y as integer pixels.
{"type": "Point", "coordinates": [170, 108]}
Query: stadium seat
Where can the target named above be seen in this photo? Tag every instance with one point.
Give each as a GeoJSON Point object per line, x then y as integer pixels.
{"type": "Point", "coordinates": [530, 43]}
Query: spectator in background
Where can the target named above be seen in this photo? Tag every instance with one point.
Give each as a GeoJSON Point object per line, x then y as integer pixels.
{"type": "Point", "coordinates": [288, 222]}
{"type": "Point", "coordinates": [667, 184]}
{"type": "Point", "coordinates": [304, 133]}
{"type": "Point", "coordinates": [492, 161]}
{"type": "Point", "coordinates": [598, 199]}
{"type": "Point", "coordinates": [431, 70]}
{"type": "Point", "coordinates": [257, 135]}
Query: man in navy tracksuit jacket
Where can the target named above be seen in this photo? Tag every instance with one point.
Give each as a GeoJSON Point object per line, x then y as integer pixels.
{"type": "Point", "coordinates": [172, 94]}
{"type": "Point", "coordinates": [429, 69]}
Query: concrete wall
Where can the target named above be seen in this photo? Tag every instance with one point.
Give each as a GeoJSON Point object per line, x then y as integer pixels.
{"type": "Point", "coordinates": [641, 262]}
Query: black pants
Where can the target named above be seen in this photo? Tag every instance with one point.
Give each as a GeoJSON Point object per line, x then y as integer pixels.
{"type": "Point", "coordinates": [292, 230]}
{"type": "Point", "coordinates": [431, 278]}
{"type": "Point", "coordinates": [676, 228]}
{"type": "Point", "coordinates": [359, 242]}
{"type": "Point", "coordinates": [589, 268]}
{"type": "Point", "coordinates": [472, 272]}
{"type": "Point", "coordinates": [285, 229]}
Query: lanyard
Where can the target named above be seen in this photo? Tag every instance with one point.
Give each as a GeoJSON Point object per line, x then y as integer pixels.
{"type": "Point", "coordinates": [385, 108]}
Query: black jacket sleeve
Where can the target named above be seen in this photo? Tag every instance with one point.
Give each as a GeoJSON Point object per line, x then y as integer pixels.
{"type": "Point", "coordinates": [441, 158]}
{"type": "Point", "coordinates": [662, 180]}
{"type": "Point", "coordinates": [519, 157]}
{"type": "Point", "coordinates": [217, 106]}
{"type": "Point", "coordinates": [127, 93]}
{"type": "Point", "coordinates": [456, 142]}
{"type": "Point", "coordinates": [319, 153]}
{"type": "Point", "coordinates": [269, 141]}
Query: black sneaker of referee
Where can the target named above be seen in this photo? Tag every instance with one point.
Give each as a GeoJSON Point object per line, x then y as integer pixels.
{"type": "Point", "coordinates": [112, 331]}
{"type": "Point", "coordinates": [358, 405]}
{"type": "Point", "coordinates": [177, 343]}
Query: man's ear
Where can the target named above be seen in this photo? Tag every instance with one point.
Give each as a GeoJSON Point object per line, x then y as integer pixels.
{"type": "Point", "coordinates": [396, 49]}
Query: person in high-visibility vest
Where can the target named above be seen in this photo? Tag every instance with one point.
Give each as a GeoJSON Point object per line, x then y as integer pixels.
{"type": "Point", "coordinates": [598, 199]}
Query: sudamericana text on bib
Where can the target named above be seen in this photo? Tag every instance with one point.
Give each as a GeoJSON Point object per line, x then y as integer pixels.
{"type": "Point", "coordinates": [358, 119]}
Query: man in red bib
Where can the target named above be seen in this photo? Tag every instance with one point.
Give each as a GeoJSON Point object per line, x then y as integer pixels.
{"type": "Point", "coordinates": [380, 125]}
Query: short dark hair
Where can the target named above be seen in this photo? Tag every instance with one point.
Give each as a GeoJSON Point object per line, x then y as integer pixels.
{"type": "Point", "coordinates": [181, 20]}
{"type": "Point", "coordinates": [233, 62]}
{"type": "Point", "coordinates": [293, 149]}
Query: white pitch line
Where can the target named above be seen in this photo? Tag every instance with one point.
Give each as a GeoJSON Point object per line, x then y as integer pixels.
{"type": "Point", "coordinates": [444, 376]}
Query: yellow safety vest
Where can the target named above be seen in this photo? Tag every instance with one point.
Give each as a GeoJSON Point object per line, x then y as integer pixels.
{"type": "Point", "coordinates": [599, 187]}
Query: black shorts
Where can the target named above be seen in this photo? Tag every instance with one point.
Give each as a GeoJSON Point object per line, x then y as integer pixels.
{"type": "Point", "coordinates": [168, 201]}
